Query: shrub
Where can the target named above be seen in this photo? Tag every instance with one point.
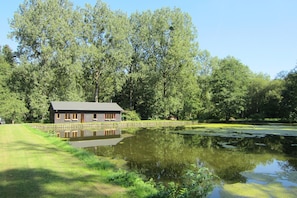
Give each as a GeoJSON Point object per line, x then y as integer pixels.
{"type": "Point", "coordinates": [196, 182]}
{"type": "Point", "coordinates": [131, 116]}
{"type": "Point", "coordinates": [133, 181]}
{"type": "Point", "coordinates": [123, 178]}
{"type": "Point", "coordinates": [257, 116]}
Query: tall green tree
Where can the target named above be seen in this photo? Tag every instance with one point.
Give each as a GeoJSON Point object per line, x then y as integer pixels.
{"type": "Point", "coordinates": [175, 49]}
{"type": "Point", "coordinates": [32, 83]}
{"type": "Point", "coordinates": [134, 94]}
{"type": "Point", "coordinates": [47, 36]}
{"type": "Point", "coordinates": [264, 97]}
{"type": "Point", "coordinates": [229, 87]}
{"type": "Point", "coordinates": [206, 65]}
{"type": "Point", "coordinates": [163, 67]}
{"type": "Point", "coordinates": [12, 108]}
{"type": "Point", "coordinates": [48, 39]}
{"type": "Point", "coordinates": [106, 50]}
{"type": "Point", "coordinates": [289, 94]}
{"type": "Point", "coordinates": [273, 97]}
{"type": "Point", "coordinates": [255, 98]}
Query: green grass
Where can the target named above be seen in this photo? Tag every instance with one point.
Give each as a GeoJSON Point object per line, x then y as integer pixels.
{"type": "Point", "coordinates": [36, 165]}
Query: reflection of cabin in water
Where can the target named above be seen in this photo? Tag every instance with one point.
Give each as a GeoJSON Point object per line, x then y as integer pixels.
{"type": "Point", "coordinates": [89, 135]}
{"type": "Point", "coordinates": [88, 138]}
{"type": "Point", "coordinates": [80, 112]}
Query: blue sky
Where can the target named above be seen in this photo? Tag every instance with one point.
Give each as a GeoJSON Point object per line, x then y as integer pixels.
{"type": "Point", "coordinates": [262, 34]}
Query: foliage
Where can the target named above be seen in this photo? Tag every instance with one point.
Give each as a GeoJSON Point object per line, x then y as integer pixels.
{"type": "Point", "coordinates": [139, 188]}
{"type": "Point", "coordinates": [131, 116]}
{"type": "Point", "coordinates": [148, 62]}
{"type": "Point", "coordinates": [158, 78]}
{"type": "Point", "coordinates": [229, 87]}
{"type": "Point", "coordinates": [12, 108]}
{"type": "Point", "coordinates": [196, 182]}
{"type": "Point", "coordinates": [289, 94]}
{"type": "Point", "coordinates": [106, 50]}
{"type": "Point", "coordinates": [255, 98]}
{"type": "Point", "coordinates": [206, 67]}
{"type": "Point", "coordinates": [8, 55]}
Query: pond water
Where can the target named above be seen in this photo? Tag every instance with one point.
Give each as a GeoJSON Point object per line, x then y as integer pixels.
{"type": "Point", "coordinates": [254, 157]}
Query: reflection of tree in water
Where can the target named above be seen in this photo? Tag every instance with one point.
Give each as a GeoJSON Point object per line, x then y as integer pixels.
{"type": "Point", "coordinates": [288, 166]}
{"type": "Point", "coordinates": [229, 156]}
{"type": "Point", "coordinates": [106, 151]}
{"type": "Point", "coordinates": [162, 155]}
{"type": "Point", "coordinates": [157, 154]}
{"type": "Point", "coordinates": [251, 144]}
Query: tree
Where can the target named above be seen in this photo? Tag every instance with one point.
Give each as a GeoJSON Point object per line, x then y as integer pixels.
{"type": "Point", "coordinates": [5, 71]}
{"type": "Point", "coordinates": [273, 97]}
{"type": "Point", "coordinates": [206, 66]}
{"type": "Point", "coordinates": [11, 107]}
{"type": "Point", "coordinates": [161, 75]}
{"type": "Point", "coordinates": [264, 97]}
{"type": "Point", "coordinates": [8, 55]}
{"type": "Point", "coordinates": [106, 50]}
{"type": "Point", "coordinates": [50, 66]}
{"type": "Point", "coordinates": [255, 98]}
{"type": "Point", "coordinates": [132, 94]}
{"type": "Point", "coordinates": [229, 87]}
{"type": "Point", "coordinates": [289, 94]}
{"type": "Point", "coordinates": [174, 53]}
{"type": "Point", "coordinates": [47, 36]}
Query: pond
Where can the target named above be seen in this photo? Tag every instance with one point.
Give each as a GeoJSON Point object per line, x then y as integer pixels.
{"type": "Point", "coordinates": [251, 160]}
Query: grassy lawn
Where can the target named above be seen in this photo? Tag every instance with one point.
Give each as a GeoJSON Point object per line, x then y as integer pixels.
{"type": "Point", "coordinates": [32, 166]}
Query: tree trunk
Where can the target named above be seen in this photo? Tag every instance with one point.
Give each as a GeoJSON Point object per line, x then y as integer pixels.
{"type": "Point", "coordinates": [96, 92]}
{"type": "Point", "coordinates": [97, 86]}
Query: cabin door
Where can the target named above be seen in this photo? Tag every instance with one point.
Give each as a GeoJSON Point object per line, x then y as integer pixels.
{"type": "Point", "coordinates": [82, 118]}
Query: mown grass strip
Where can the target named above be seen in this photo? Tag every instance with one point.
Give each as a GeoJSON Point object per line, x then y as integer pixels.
{"type": "Point", "coordinates": [33, 165]}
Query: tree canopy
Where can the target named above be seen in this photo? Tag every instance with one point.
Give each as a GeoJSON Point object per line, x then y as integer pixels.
{"type": "Point", "coordinates": [149, 62]}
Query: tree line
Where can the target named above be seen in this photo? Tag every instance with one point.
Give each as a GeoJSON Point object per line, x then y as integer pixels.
{"type": "Point", "coordinates": [149, 62]}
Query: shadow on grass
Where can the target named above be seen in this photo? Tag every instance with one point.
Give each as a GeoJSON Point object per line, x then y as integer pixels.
{"type": "Point", "coordinates": [22, 145]}
{"type": "Point", "coordinates": [46, 183]}
{"type": "Point", "coordinates": [92, 161]}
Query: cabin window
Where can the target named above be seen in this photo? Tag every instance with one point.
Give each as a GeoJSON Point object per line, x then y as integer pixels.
{"type": "Point", "coordinates": [74, 134]}
{"type": "Point", "coordinates": [67, 116]}
{"type": "Point", "coordinates": [94, 116]}
{"type": "Point", "coordinates": [110, 116]}
{"type": "Point", "coordinates": [74, 116]}
{"type": "Point", "coordinates": [67, 134]}
{"type": "Point", "coordinates": [108, 132]}
{"type": "Point", "coordinates": [58, 116]}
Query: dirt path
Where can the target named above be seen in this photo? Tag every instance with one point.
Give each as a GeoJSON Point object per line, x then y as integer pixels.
{"type": "Point", "coordinates": [32, 167]}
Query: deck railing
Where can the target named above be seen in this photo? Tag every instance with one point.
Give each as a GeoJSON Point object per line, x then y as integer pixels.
{"type": "Point", "coordinates": [105, 125]}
